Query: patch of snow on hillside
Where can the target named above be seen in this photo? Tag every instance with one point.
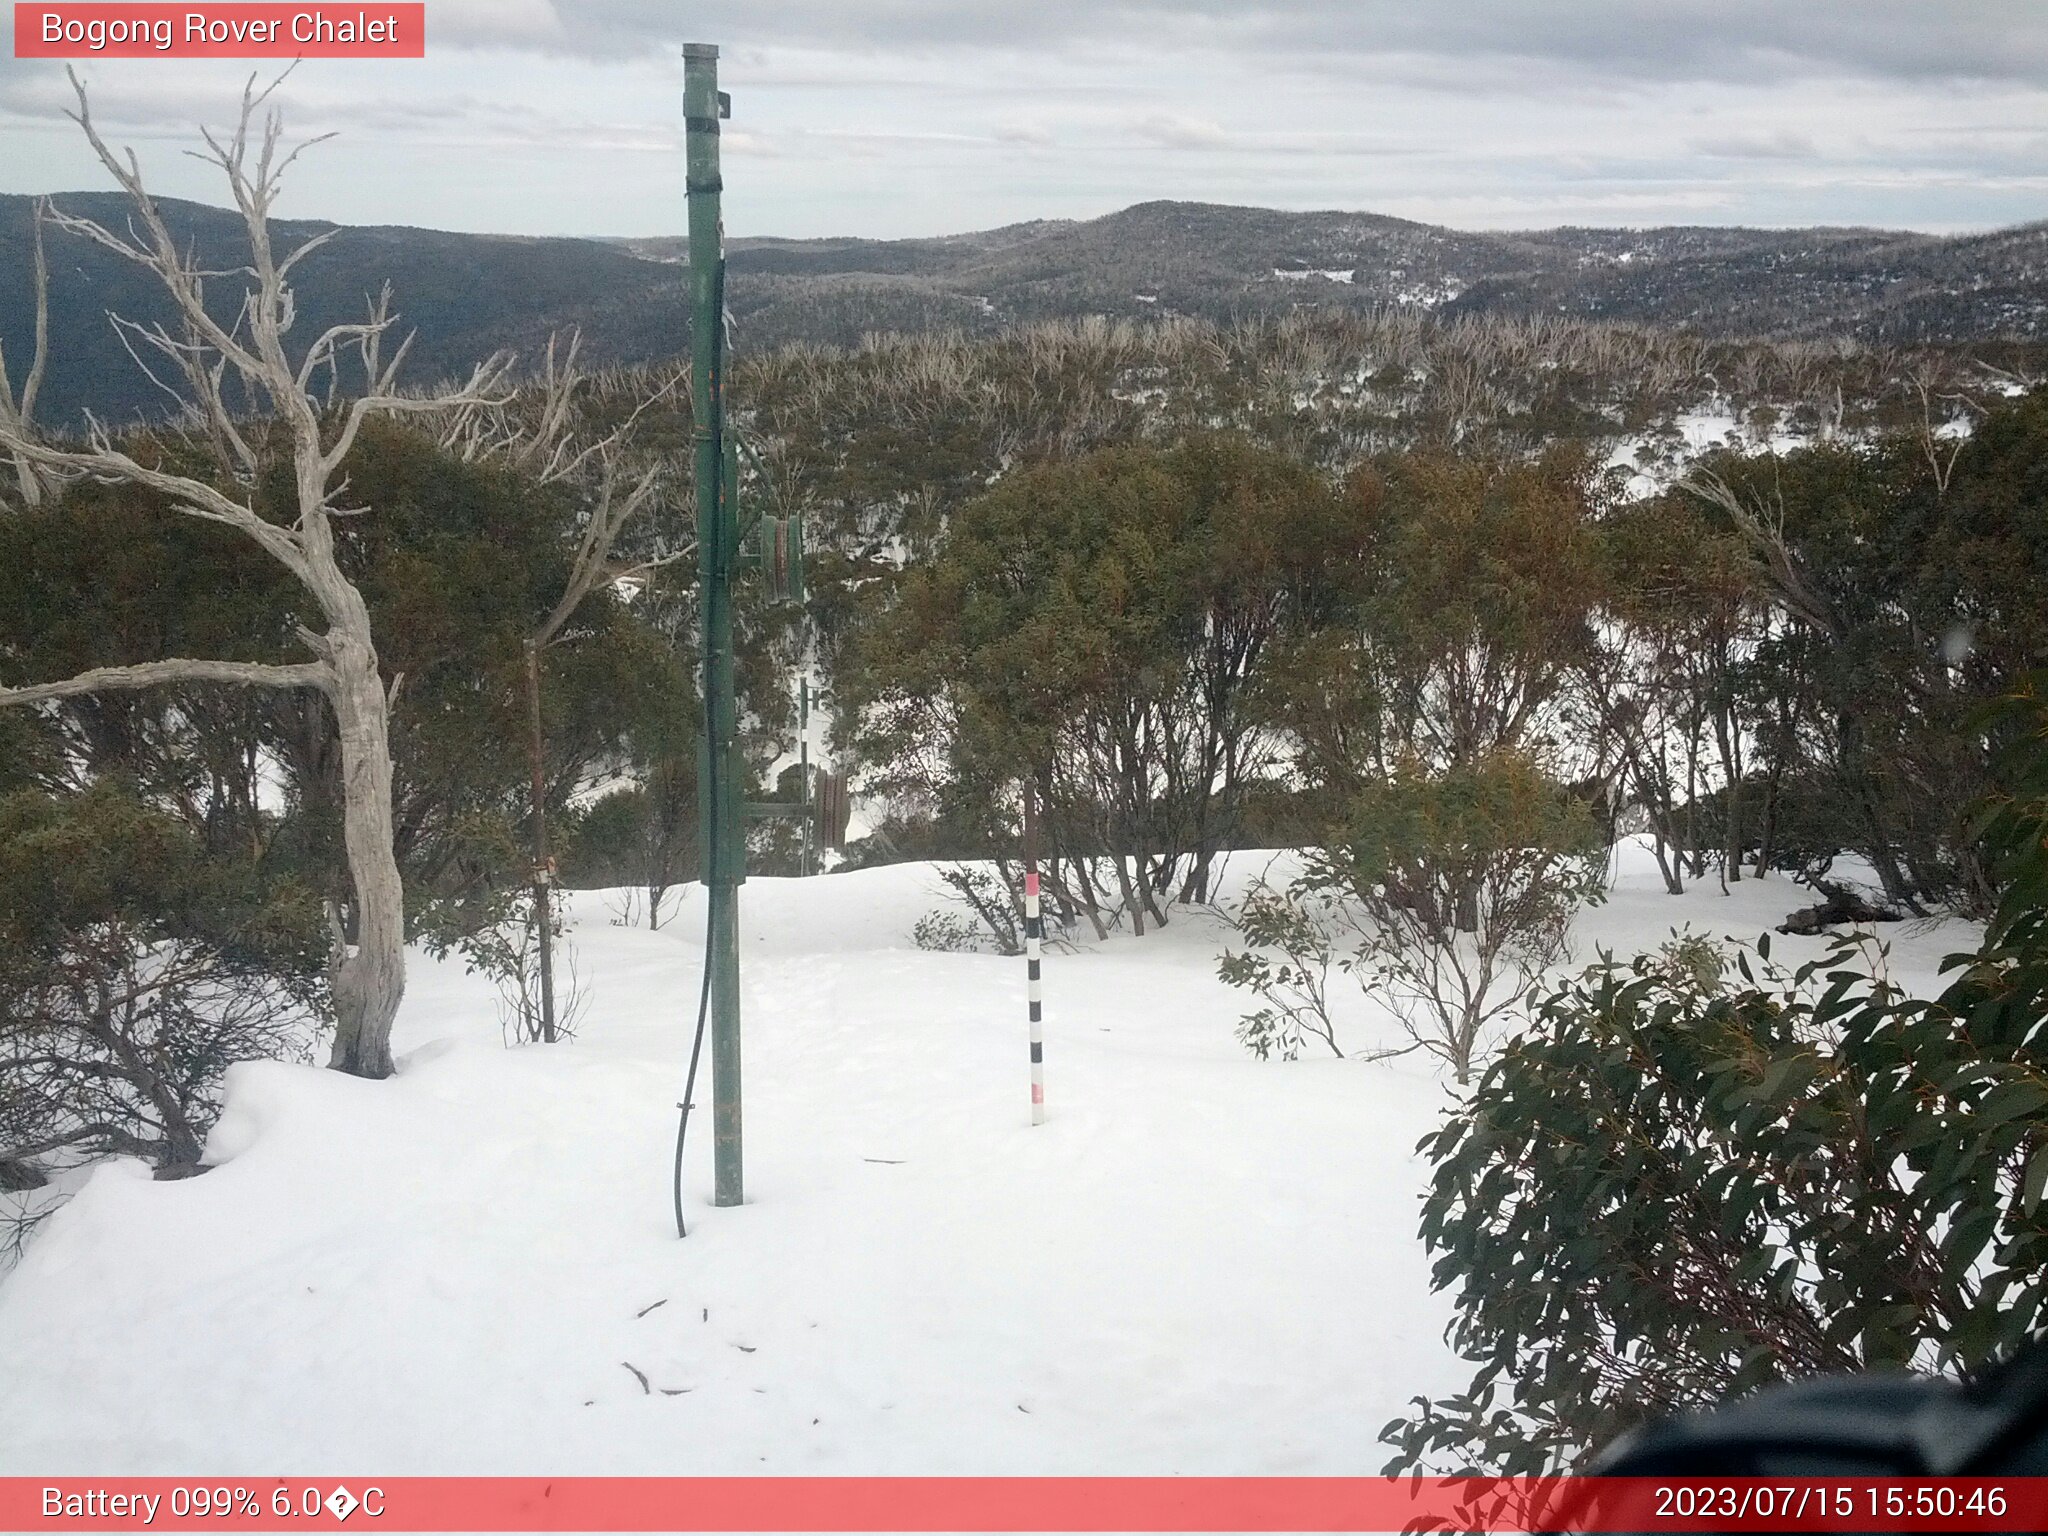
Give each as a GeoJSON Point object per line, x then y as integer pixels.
{"type": "Point", "coordinates": [1429, 295]}
{"type": "Point", "coordinates": [1656, 460]}
{"type": "Point", "coordinates": [1341, 275]}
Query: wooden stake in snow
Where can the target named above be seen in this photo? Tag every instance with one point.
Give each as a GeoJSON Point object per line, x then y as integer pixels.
{"type": "Point", "coordinates": [1034, 934]}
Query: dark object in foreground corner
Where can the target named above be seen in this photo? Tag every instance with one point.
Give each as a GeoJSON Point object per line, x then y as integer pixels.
{"type": "Point", "coordinates": [1889, 1425]}
{"type": "Point", "coordinates": [1881, 1425]}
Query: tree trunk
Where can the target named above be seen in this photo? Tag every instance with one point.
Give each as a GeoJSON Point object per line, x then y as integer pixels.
{"type": "Point", "coordinates": [1091, 900]}
{"type": "Point", "coordinates": [1674, 884]}
{"type": "Point", "coordinates": [1149, 886]}
{"type": "Point", "coordinates": [543, 863]}
{"type": "Point", "coordinates": [1767, 830]}
{"type": "Point", "coordinates": [1729, 743]}
{"type": "Point", "coordinates": [1132, 904]}
{"type": "Point", "coordinates": [1463, 1038]}
{"type": "Point", "coordinates": [1465, 910]}
{"type": "Point", "coordinates": [369, 979]}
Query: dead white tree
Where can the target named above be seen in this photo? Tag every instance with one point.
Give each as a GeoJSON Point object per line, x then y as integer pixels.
{"type": "Point", "coordinates": [18, 412]}
{"type": "Point", "coordinates": [245, 361]}
{"type": "Point", "coordinates": [1946, 410]}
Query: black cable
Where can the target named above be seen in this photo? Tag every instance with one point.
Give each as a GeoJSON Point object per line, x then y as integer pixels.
{"type": "Point", "coordinates": [716, 415]}
{"type": "Point", "coordinates": [690, 1086]}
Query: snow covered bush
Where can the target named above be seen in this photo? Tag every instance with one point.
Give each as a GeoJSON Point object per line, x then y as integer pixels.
{"type": "Point", "coordinates": [1680, 1184]}
{"type": "Point", "coordinates": [134, 969]}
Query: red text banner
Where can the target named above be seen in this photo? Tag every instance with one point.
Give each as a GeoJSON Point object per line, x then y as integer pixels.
{"type": "Point", "coordinates": [106, 29]}
{"type": "Point", "coordinates": [1252, 1504]}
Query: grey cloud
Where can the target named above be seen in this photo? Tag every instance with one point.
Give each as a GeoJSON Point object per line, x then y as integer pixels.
{"type": "Point", "coordinates": [1171, 130]}
{"type": "Point", "coordinates": [165, 104]}
{"type": "Point", "coordinates": [1781, 145]}
{"type": "Point", "coordinates": [1022, 133]}
{"type": "Point", "coordinates": [1732, 40]}
{"type": "Point", "coordinates": [1506, 112]}
{"type": "Point", "coordinates": [149, 101]}
{"type": "Point", "coordinates": [496, 23]}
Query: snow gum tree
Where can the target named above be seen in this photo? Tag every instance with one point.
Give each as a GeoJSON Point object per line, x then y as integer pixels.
{"type": "Point", "coordinates": [1425, 710]}
{"type": "Point", "coordinates": [1100, 628]}
{"type": "Point", "coordinates": [1461, 621]}
{"type": "Point", "coordinates": [1664, 685]}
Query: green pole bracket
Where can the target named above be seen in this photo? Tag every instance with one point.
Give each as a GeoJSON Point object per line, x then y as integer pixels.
{"type": "Point", "coordinates": [778, 552]}
{"type": "Point", "coordinates": [773, 546]}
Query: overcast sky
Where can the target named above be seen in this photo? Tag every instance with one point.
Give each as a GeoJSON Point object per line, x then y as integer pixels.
{"type": "Point", "coordinates": [913, 117]}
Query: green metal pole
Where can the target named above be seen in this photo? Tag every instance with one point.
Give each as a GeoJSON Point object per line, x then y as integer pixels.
{"type": "Point", "coordinates": [717, 549]}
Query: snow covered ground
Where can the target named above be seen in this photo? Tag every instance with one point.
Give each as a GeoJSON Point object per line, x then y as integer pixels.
{"type": "Point", "coordinates": [1200, 1264]}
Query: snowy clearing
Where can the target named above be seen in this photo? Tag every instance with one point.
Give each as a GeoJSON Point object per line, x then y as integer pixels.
{"type": "Point", "coordinates": [1201, 1264]}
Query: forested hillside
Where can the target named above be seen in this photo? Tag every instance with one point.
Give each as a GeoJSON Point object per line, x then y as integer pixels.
{"type": "Point", "coordinates": [468, 294]}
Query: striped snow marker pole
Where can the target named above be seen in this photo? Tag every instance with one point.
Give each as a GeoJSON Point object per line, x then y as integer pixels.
{"type": "Point", "coordinates": [1034, 934]}
{"type": "Point", "coordinates": [1034, 930]}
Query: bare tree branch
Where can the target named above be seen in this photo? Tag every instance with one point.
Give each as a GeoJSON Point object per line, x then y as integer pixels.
{"type": "Point", "coordinates": [607, 518]}
{"type": "Point", "coordinates": [152, 674]}
{"type": "Point", "coordinates": [326, 350]}
{"type": "Point", "coordinates": [181, 275]}
{"type": "Point", "coordinates": [34, 383]}
{"type": "Point", "coordinates": [194, 497]}
{"type": "Point", "coordinates": [1764, 530]}
{"type": "Point", "coordinates": [486, 381]}
{"type": "Point", "coordinates": [126, 331]}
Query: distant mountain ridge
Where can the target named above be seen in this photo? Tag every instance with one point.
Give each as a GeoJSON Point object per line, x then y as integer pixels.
{"type": "Point", "coordinates": [469, 294]}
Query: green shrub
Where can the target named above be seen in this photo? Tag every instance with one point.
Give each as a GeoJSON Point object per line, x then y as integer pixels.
{"type": "Point", "coordinates": [1678, 1185]}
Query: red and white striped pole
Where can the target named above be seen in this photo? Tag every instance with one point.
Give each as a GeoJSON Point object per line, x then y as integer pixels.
{"type": "Point", "coordinates": [1034, 934]}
